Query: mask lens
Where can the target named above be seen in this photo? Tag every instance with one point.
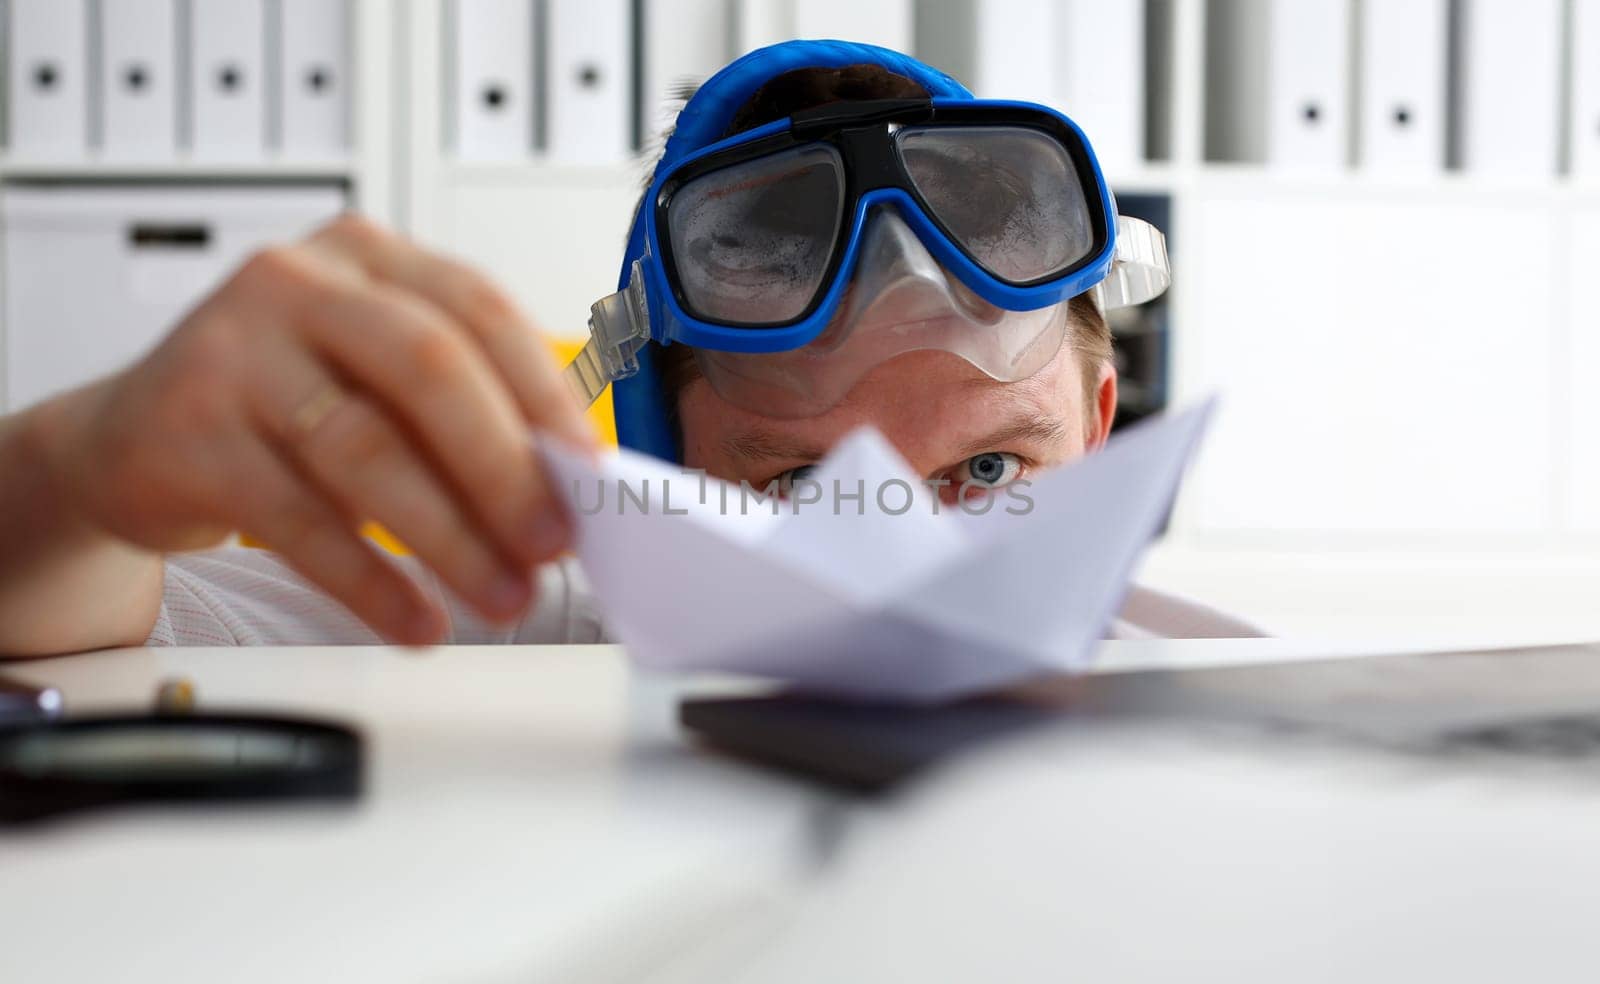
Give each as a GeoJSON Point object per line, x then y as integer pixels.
{"type": "Point", "coordinates": [752, 242]}
{"type": "Point", "coordinates": [1010, 196]}
{"type": "Point", "coordinates": [900, 300]}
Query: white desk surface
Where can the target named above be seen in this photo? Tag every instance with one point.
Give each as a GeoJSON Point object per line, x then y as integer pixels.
{"type": "Point", "coordinates": [532, 814]}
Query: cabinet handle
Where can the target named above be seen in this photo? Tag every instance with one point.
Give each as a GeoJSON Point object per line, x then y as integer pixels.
{"type": "Point", "coordinates": [181, 235]}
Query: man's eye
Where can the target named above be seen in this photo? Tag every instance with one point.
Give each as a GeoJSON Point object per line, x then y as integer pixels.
{"type": "Point", "coordinates": [787, 479]}
{"type": "Point", "coordinates": [991, 469]}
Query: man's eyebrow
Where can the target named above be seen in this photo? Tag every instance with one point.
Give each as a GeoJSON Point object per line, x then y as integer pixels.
{"type": "Point", "coordinates": [760, 444]}
{"type": "Point", "coordinates": [1045, 429]}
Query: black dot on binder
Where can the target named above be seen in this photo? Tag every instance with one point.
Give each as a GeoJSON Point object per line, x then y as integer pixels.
{"type": "Point", "coordinates": [319, 79]}
{"type": "Point", "coordinates": [1312, 113]}
{"type": "Point", "coordinates": [135, 78]}
{"type": "Point", "coordinates": [495, 96]}
{"type": "Point", "coordinates": [588, 76]}
{"type": "Point", "coordinates": [230, 78]}
{"type": "Point", "coordinates": [1402, 116]}
{"type": "Point", "coordinates": [44, 75]}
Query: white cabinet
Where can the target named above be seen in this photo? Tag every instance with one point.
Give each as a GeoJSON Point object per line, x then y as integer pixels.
{"type": "Point", "coordinates": [1383, 359]}
{"type": "Point", "coordinates": [96, 276]}
{"type": "Point", "coordinates": [555, 243]}
{"type": "Point", "coordinates": [1583, 370]}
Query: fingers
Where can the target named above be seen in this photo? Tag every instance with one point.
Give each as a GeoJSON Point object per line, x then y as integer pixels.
{"type": "Point", "coordinates": [354, 377]}
{"type": "Point", "coordinates": [438, 386]}
{"type": "Point", "coordinates": [271, 503]}
{"type": "Point", "coordinates": [354, 452]}
{"type": "Point", "coordinates": [513, 346]}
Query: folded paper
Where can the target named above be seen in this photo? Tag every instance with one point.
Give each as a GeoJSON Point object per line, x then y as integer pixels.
{"type": "Point", "coordinates": [861, 583]}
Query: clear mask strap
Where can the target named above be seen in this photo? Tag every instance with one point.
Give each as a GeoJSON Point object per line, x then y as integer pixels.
{"type": "Point", "coordinates": [586, 375]}
{"type": "Point", "coordinates": [619, 325]}
{"type": "Point", "coordinates": [1140, 270]}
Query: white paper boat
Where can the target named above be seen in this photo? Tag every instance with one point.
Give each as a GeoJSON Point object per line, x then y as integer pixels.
{"type": "Point", "coordinates": [896, 602]}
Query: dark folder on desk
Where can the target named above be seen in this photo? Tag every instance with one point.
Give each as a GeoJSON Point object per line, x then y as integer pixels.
{"type": "Point", "coordinates": [1542, 702]}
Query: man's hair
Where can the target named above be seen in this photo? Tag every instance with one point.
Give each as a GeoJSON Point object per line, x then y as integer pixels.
{"type": "Point", "coordinates": [807, 88]}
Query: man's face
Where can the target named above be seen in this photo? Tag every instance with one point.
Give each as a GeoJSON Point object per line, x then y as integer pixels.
{"type": "Point", "coordinates": [948, 419]}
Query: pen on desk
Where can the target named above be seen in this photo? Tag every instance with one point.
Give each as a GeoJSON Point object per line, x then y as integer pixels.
{"type": "Point", "coordinates": [25, 702]}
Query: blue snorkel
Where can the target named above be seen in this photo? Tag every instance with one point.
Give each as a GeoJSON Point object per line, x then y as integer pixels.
{"type": "Point", "coordinates": [641, 406]}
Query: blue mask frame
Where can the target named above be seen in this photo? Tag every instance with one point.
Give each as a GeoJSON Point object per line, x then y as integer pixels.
{"type": "Point", "coordinates": [671, 321]}
{"type": "Point", "coordinates": [642, 411]}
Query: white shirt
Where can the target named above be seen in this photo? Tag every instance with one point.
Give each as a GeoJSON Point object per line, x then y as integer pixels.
{"type": "Point", "coordinates": [237, 596]}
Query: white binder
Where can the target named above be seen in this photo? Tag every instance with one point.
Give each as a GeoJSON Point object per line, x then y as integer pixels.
{"type": "Point", "coordinates": [1100, 76]}
{"type": "Point", "coordinates": [493, 79]}
{"type": "Point", "coordinates": [681, 42]}
{"type": "Point", "coordinates": [762, 22]}
{"type": "Point", "coordinates": [997, 48]}
{"type": "Point", "coordinates": [46, 78]}
{"type": "Point", "coordinates": [314, 78]}
{"type": "Point", "coordinates": [1510, 86]}
{"type": "Point", "coordinates": [1403, 48]}
{"type": "Point", "coordinates": [227, 79]}
{"type": "Point", "coordinates": [1308, 82]}
{"type": "Point", "coordinates": [886, 23]}
{"type": "Point", "coordinates": [139, 78]}
{"type": "Point", "coordinates": [589, 81]}
{"type": "Point", "coordinates": [1016, 48]}
{"type": "Point", "coordinates": [1586, 87]}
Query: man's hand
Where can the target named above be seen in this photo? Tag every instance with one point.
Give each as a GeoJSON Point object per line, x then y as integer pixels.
{"type": "Point", "coordinates": [351, 377]}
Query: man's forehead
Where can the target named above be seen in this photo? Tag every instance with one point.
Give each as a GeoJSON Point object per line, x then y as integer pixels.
{"type": "Point", "coordinates": [977, 416]}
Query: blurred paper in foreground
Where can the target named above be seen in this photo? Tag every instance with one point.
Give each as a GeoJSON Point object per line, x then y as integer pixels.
{"type": "Point", "coordinates": [861, 584]}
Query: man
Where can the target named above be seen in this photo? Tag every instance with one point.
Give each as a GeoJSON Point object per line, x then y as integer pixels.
{"type": "Point", "coordinates": [356, 377]}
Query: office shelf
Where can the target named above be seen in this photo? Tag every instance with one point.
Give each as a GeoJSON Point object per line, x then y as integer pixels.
{"type": "Point", "coordinates": [366, 172]}
{"type": "Point", "coordinates": [176, 170]}
{"type": "Point", "coordinates": [1316, 303]}
{"type": "Point", "coordinates": [1447, 186]}
{"type": "Point", "coordinates": [539, 172]}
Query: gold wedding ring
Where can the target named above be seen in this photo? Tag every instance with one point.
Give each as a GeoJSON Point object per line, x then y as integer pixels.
{"type": "Point", "coordinates": [315, 410]}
